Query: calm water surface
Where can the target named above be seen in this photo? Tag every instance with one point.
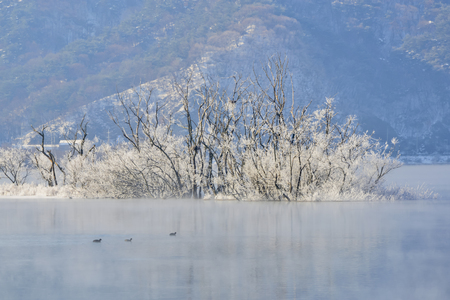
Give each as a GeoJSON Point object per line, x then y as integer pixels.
{"type": "Point", "coordinates": [223, 250]}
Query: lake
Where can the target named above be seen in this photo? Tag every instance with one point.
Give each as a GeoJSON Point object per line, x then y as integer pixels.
{"type": "Point", "coordinates": [228, 249]}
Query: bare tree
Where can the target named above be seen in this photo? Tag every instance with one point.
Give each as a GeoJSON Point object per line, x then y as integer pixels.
{"type": "Point", "coordinates": [77, 143]}
{"type": "Point", "coordinates": [47, 171]}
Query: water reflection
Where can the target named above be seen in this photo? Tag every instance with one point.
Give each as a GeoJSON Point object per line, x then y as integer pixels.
{"type": "Point", "coordinates": [224, 250]}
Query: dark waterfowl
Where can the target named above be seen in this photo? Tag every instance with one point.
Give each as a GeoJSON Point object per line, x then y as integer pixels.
{"type": "Point", "coordinates": [173, 233]}
{"type": "Point", "coordinates": [128, 240]}
{"type": "Point", "coordinates": [97, 241]}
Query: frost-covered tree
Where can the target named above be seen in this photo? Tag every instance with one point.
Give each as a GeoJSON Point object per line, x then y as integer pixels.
{"type": "Point", "coordinates": [153, 161]}
{"type": "Point", "coordinates": [15, 165]}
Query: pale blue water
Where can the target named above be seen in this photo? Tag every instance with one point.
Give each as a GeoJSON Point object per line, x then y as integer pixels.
{"type": "Point", "coordinates": [224, 250]}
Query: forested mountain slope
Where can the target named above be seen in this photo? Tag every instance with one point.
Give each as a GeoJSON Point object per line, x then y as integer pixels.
{"type": "Point", "coordinates": [385, 61]}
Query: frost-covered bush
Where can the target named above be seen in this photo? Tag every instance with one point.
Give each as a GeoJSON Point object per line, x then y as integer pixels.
{"type": "Point", "coordinates": [312, 155]}
{"type": "Point", "coordinates": [77, 163]}
{"type": "Point", "coordinates": [125, 172]}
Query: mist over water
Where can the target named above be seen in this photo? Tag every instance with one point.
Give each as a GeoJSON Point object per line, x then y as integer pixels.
{"type": "Point", "coordinates": [225, 250]}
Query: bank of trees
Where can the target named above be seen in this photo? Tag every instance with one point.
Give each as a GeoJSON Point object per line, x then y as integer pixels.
{"type": "Point", "coordinates": [248, 140]}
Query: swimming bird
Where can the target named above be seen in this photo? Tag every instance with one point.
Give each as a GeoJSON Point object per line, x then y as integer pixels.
{"type": "Point", "coordinates": [128, 240]}
{"type": "Point", "coordinates": [173, 233]}
{"type": "Point", "coordinates": [97, 241]}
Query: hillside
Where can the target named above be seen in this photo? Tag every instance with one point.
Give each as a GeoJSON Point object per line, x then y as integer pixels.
{"type": "Point", "coordinates": [385, 61]}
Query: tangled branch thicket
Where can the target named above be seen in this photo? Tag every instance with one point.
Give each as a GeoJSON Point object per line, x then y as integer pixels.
{"type": "Point", "coordinates": [247, 141]}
